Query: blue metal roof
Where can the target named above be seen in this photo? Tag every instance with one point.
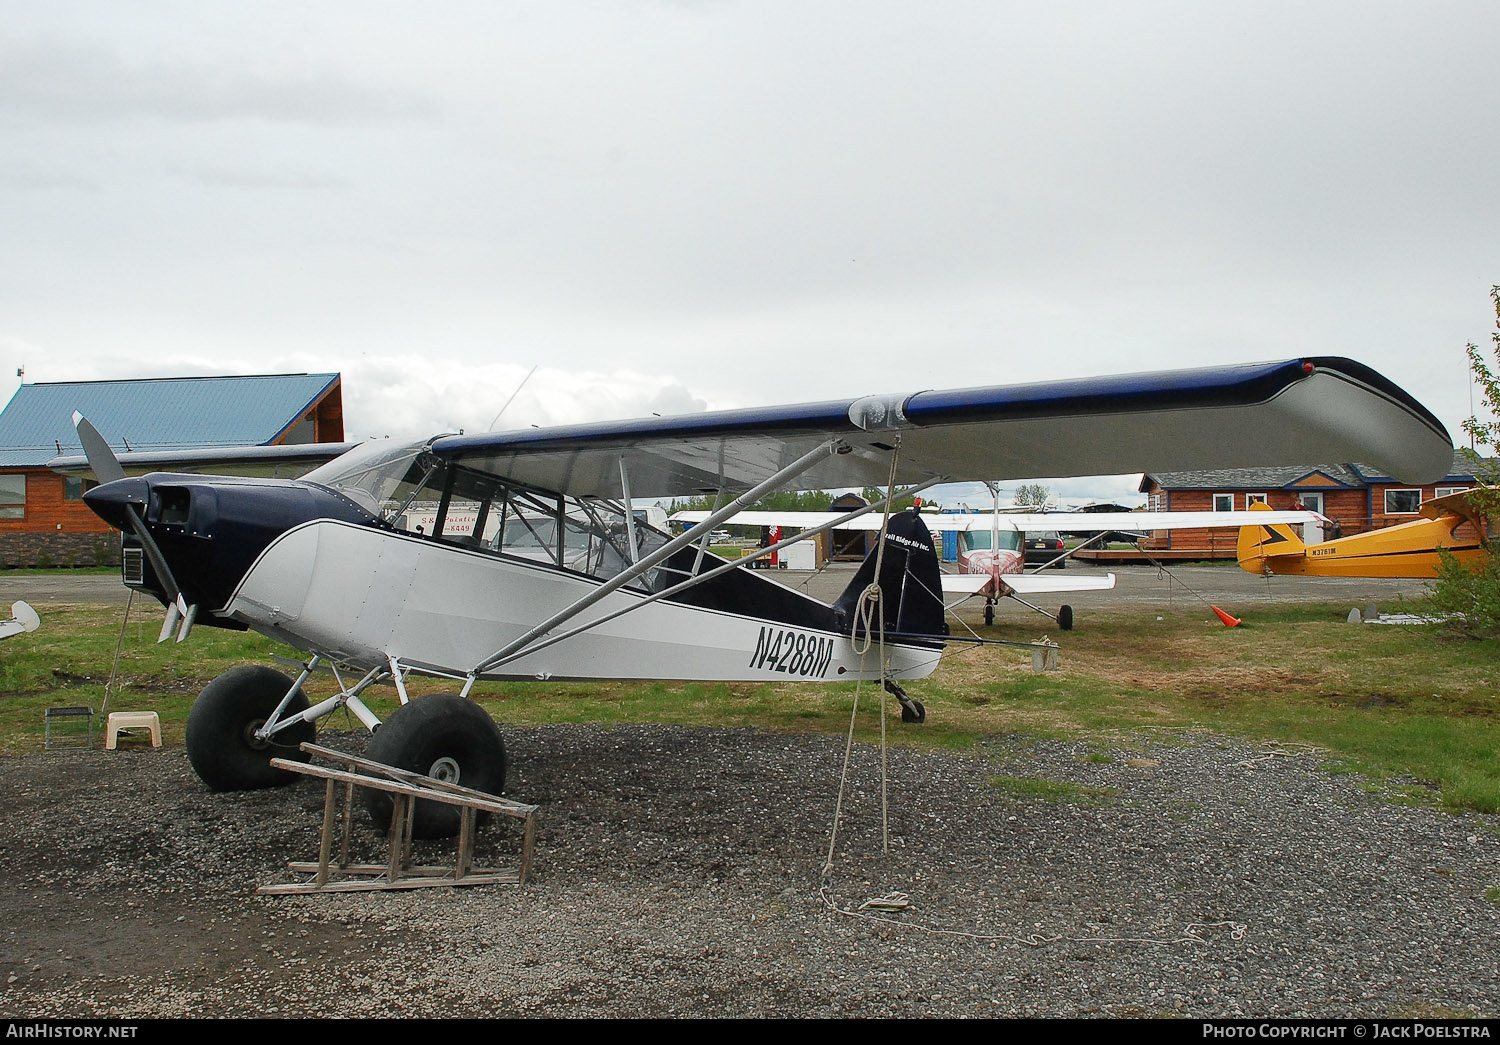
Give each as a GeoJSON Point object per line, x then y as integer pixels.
{"type": "Point", "coordinates": [155, 414]}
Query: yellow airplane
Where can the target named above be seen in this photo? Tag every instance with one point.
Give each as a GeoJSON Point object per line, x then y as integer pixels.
{"type": "Point", "coordinates": [1406, 550]}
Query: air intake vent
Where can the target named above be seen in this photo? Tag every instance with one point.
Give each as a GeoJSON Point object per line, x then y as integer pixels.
{"type": "Point", "coordinates": [132, 565]}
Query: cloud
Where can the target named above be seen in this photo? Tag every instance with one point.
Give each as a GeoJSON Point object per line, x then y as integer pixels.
{"type": "Point", "coordinates": [83, 83]}
{"type": "Point", "coordinates": [246, 178]}
{"type": "Point", "coordinates": [25, 174]}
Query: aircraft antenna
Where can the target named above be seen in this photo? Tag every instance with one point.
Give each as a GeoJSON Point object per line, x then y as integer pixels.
{"type": "Point", "coordinates": [496, 419]}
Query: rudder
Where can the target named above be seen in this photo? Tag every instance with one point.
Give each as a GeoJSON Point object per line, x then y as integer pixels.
{"type": "Point", "coordinates": [1259, 543]}
{"type": "Point", "coordinates": [911, 582]}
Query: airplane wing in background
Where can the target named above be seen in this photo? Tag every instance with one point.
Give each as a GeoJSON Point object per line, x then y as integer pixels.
{"type": "Point", "coordinates": [282, 462]}
{"type": "Point", "coordinates": [1069, 522]}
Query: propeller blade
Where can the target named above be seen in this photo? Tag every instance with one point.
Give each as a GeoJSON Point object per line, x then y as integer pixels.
{"type": "Point", "coordinates": [102, 460]}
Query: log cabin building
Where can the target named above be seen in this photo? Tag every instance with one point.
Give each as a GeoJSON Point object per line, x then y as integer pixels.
{"type": "Point", "coordinates": [43, 519]}
{"type": "Point", "coordinates": [1356, 497]}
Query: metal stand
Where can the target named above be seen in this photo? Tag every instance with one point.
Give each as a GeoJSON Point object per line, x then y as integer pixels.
{"type": "Point", "coordinates": [58, 713]}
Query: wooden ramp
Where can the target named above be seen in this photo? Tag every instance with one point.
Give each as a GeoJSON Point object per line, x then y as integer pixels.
{"type": "Point", "coordinates": [339, 875]}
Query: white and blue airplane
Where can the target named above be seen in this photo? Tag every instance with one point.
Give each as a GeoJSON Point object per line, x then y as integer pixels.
{"type": "Point", "coordinates": [545, 573]}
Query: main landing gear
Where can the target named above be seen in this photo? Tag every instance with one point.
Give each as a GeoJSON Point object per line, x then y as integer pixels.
{"type": "Point", "coordinates": [221, 730]}
{"type": "Point", "coordinates": [444, 736]}
{"type": "Point", "coordinates": [1064, 616]}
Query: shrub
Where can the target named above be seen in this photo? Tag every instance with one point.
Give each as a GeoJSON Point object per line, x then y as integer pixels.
{"type": "Point", "coordinates": [1470, 598]}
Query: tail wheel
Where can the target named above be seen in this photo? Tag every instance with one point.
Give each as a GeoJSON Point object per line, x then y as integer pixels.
{"type": "Point", "coordinates": [221, 741]}
{"type": "Point", "coordinates": [989, 614]}
{"type": "Point", "coordinates": [1065, 618]}
{"type": "Point", "coordinates": [444, 736]}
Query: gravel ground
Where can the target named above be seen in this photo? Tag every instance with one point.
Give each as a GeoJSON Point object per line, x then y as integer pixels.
{"type": "Point", "coordinates": [678, 873]}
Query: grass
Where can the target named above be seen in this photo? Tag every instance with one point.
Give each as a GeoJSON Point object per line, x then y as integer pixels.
{"type": "Point", "coordinates": [1410, 708]}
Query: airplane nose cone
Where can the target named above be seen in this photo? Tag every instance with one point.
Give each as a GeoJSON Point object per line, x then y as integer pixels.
{"type": "Point", "coordinates": [110, 500]}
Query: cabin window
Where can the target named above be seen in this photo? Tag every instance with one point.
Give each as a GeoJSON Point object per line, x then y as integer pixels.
{"type": "Point", "coordinates": [1402, 502]}
{"type": "Point", "coordinates": [13, 496]}
{"type": "Point", "coordinates": [1223, 502]}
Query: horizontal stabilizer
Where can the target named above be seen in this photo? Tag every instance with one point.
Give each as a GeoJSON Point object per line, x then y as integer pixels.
{"type": "Point", "coordinates": [1042, 584]}
{"type": "Point", "coordinates": [23, 619]}
{"type": "Point", "coordinates": [964, 583]}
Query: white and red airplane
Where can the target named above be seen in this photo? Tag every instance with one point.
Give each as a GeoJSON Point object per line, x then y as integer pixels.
{"type": "Point", "coordinates": [569, 584]}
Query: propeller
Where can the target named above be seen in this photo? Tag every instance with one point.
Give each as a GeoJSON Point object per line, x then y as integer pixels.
{"type": "Point", "coordinates": [107, 469]}
{"type": "Point", "coordinates": [102, 460]}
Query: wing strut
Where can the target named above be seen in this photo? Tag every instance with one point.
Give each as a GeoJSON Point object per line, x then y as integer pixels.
{"type": "Point", "coordinates": [640, 566]}
{"type": "Point", "coordinates": [634, 549]}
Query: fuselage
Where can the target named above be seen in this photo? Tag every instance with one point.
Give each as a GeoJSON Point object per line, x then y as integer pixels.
{"type": "Point", "coordinates": [992, 554]}
{"type": "Point", "coordinates": [335, 570]}
{"type": "Point", "coordinates": [1407, 550]}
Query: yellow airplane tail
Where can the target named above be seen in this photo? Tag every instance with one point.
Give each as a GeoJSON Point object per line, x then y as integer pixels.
{"type": "Point", "coordinates": [1259, 543]}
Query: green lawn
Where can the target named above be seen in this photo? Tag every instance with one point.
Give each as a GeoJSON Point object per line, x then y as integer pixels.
{"type": "Point", "coordinates": [1412, 707]}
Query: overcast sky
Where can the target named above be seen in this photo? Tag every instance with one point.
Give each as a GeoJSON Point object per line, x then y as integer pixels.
{"type": "Point", "coordinates": [671, 206]}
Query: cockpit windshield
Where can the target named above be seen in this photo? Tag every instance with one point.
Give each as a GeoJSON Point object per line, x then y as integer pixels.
{"type": "Point", "coordinates": [375, 475]}
{"type": "Point", "coordinates": [979, 540]}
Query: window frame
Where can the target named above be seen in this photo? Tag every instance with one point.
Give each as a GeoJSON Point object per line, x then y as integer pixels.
{"type": "Point", "coordinates": [1386, 499]}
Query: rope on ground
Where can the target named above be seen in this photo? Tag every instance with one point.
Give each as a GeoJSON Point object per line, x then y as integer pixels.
{"type": "Point", "coordinates": [1193, 932]}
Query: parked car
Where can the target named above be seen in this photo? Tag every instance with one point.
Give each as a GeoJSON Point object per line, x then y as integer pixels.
{"type": "Point", "coordinates": [1042, 546]}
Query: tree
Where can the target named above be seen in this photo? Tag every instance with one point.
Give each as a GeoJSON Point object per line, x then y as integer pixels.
{"type": "Point", "coordinates": [1470, 598]}
{"type": "Point", "coordinates": [1032, 495]}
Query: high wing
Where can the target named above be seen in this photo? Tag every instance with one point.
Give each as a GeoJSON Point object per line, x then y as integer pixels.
{"type": "Point", "coordinates": [1072, 522]}
{"type": "Point", "coordinates": [1460, 504]}
{"type": "Point", "coordinates": [1223, 417]}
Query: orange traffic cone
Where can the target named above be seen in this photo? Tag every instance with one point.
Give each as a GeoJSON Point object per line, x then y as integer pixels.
{"type": "Point", "coordinates": [1229, 622]}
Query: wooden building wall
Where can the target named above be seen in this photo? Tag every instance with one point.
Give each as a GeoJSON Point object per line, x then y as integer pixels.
{"type": "Point", "coordinates": [49, 511]}
{"type": "Point", "coordinates": [1354, 509]}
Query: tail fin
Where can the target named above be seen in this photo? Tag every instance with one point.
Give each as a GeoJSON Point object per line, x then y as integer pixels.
{"type": "Point", "coordinates": [911, 582]}
{"type": "Point", "coordinates": [1259, 543]}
